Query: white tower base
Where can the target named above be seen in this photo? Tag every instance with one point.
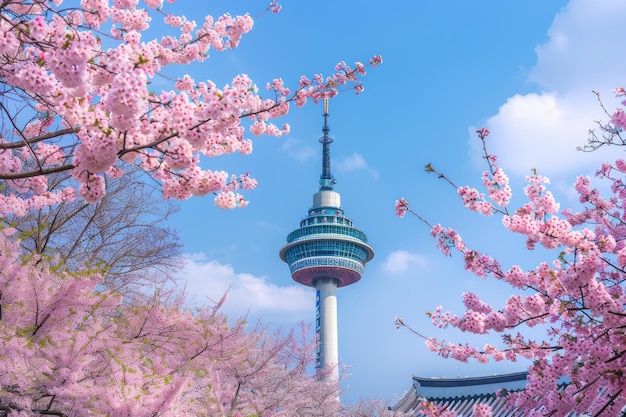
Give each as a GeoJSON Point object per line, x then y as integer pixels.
{"type": "Point", "coordinates": [328, 351]}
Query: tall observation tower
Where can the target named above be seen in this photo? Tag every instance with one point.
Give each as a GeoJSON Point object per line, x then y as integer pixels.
{"type": "Point", "coordinates": [326, 252]}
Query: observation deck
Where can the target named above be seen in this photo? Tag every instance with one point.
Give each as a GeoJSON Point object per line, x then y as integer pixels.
{"type": "Point", "coordinates": [326, 245]}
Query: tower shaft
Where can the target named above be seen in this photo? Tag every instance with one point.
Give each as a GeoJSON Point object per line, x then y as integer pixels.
{"type": "Point", "coordinates": [326, 327]}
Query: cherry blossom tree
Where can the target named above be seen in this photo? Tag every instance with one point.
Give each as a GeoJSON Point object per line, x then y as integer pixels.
{"type": "Point", "coordinates": [371, 408]}
{"type": "Point", "coordinates": [77, 97]}
{"type": "Point", "coordinates": [70, 349]}
{"type": "Point", "coordinates": [123, 236]}
{"type": "Point", "coordinates": [578, 296]}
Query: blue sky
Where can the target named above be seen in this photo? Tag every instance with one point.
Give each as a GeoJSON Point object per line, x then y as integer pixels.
{"type": "Point", "coordinates": [525, 69]}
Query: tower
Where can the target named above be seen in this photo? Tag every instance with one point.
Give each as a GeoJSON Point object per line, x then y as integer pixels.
{"type": "Point", "coordinates": [326, 252]}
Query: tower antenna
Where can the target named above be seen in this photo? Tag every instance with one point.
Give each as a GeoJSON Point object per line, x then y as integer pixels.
{"type": "Point", "coordinates": [326, 179]}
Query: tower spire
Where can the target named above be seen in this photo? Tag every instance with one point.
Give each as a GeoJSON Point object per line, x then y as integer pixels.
{"type": "Point", "coordinates": [326, 179]}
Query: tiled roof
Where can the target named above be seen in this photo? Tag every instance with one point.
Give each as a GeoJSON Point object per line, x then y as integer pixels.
{"type": "Point", "coordinates": [461, 394]}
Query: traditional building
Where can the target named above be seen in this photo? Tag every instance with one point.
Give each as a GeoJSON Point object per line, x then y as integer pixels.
{"type": "Point", "coordinates": [462, 394]}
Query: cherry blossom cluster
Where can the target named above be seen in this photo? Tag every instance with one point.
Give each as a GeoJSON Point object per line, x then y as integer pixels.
{"type": "Point", "coordinates": [401, 207]}
{"type": "Point", "coordinates": [430, 409]}
{"type": "Point", "coordinates": [474, 200]}
{"type": "Point", "coordinates": [495, 181]}
{"type": "Point", "coordinates": [619, 118]}
{"type": "Point", "coordinates": [320, 88]}
{"type": "Point", "coordinates": [70, 348]}
{"type": "Point", "coordinates": [579, 296]}
{"type": "Point", "coordinates": [376, 407]}
{"type": "Point", "coordinates": [93, 104]}
{"type": "Point", "coordinates": [447, 239]}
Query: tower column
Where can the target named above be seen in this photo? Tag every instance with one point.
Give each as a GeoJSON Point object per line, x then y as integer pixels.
{"type": "Point", "coordinates": [328, 350]}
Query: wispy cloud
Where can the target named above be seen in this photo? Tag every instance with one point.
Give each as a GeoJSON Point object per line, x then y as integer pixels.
{"type": "Point", "coordinates": [296, 150]}
{"type": "Point", "coordinates": [543, 130]}
{"type": "Point", "coordinates": [401, 261]}
{"type": "Point", "coordinates": [206, 281]}
{"type": "Point", "coordinates": [351, 163]}
{"type": "Point", "coordinates": [354, 162]}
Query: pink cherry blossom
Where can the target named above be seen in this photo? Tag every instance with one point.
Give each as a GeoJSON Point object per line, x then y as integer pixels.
{"type": "Point", "coordinates": [401, 207]}
{"type": "Point", "coordinates": [91, 351]}
{"type": "Point", "coordinates": [578, 298]}
{"type": "Point", "coordinates": [85, 76]}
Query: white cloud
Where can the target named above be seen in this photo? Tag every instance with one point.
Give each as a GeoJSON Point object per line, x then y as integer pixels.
{"type": "Point", "coordinates": [206, 281]}
{"type": "Point", "coordinates": [301, 153]}
{"type": "Point", "coordinates": [583, 51]}
{"type": "Point", "coordinates": [542, 130]}
{"type": "Point", "coordinates": [401, 261]}
{"type": "Point", "coordinates": [353, 162]}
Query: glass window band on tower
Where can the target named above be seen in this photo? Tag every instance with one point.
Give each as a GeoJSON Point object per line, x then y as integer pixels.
{"type": "Point", "coordinates": [324, 247]}
{"type": "Point", "coordinates": [326, 229]}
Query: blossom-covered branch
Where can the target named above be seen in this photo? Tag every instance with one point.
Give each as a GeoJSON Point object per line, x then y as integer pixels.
{"type": "Point", "coordinates": [578, 296]}
{"type": "Point", "coordinates": [77, 93]}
